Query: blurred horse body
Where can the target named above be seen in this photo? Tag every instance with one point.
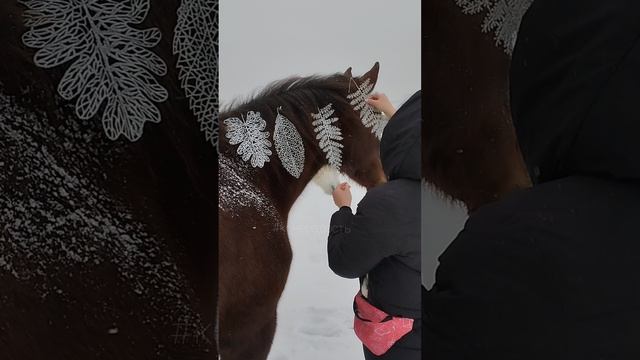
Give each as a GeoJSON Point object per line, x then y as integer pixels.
{"type": "Point", "coordinates": [470, 152]}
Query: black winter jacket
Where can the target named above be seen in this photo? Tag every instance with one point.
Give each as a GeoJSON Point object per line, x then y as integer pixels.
{"type": "Point", "coordinates": [383, 238]}
{"type": "Point", "coordinates": [553, 272]}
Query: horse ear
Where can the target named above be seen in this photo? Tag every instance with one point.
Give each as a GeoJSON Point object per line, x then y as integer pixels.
{"type": "Point", "coordinates": [348, 73]}
{"type": "Point", "coordinates": [372, 74]}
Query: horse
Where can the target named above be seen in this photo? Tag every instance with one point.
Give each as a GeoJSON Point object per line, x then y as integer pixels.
{"type": "Point", "coordinates": [107, 248]}
{"type": "Point", "coordinates": [470, 152]}
{"type": "Point", "coordinates": [255, 254]}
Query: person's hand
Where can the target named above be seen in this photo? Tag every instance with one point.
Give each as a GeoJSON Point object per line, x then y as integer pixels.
{"type": "Point", "coordinates": [342, 195]}
{"type": "Point", "coordinates": [381, 103]}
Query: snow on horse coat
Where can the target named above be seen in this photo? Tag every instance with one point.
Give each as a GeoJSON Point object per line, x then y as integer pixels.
{"type": "Point", "coordinates": [107, 248]}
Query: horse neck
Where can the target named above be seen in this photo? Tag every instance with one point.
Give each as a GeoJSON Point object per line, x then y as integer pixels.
{"type": "Point", "coordinates": [279, 187]}
{"type": "Point", "coordinates": [284, 189]}
{"type": "Point", "coordinates": [274, 179]}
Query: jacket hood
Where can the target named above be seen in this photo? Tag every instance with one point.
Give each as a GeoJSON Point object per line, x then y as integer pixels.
{"type": "Point", "coordinates": [400, 143]}
{"type": "Point", "coordinates": [575, 88]}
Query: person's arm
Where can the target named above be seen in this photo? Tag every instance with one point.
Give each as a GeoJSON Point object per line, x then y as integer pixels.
{"type": "Point", "coordinates": [358, 242]}
{"type": "Point", "coordinates": [381, 103]}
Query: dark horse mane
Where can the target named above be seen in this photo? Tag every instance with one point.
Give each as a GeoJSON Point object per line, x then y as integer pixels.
{"type": "Point", "coordinates": [295, 91]}
{"type": "Point", "coordinates": [297, 98]}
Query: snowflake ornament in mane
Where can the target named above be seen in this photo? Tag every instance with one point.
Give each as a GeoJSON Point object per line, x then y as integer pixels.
{"type": "Point", "coordinates": [328, 135]}
{"type": "Point", "coordinates": [289, 145]}
{"type": "Point", "coordinates": [503, 18]}
{"type": "Point", "coordinates": [110, 60]}
{"type": "Point", "coordinates": [370, 117]}
{"type": "Point", "coordinates": [250, 135]}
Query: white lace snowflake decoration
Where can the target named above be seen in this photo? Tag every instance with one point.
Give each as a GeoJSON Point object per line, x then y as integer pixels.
{"type": "Point", "coordinates": [289, 145]}
{"type": "Point", "coordinates": [250, 135]}
{"type": "Point", "coordinates": [195, 42]}
{"type": "Point", "coordinates": [370, 117]}
{"type": "Point", "coordinates": [329, 135]}
{"type": "Point", "coordinates": [110, 60]}
{"type": "Point", "coordinates": [503, 18]}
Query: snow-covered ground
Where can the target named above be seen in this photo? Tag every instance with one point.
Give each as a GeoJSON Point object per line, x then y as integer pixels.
{"type": "Point", "coordinates": [315, 317]}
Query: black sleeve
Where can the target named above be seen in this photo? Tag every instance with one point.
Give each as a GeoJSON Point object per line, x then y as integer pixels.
{"type": "Point", "coordinates": [491, 296]}
{"type": "Point", "coordinates": [357, 243]}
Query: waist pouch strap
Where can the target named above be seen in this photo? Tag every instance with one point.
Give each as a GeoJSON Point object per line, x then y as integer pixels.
{"type": "Point", "coordinates": [377, 330]}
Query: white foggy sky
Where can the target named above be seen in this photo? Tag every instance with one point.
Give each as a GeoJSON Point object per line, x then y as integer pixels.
{"type": "Point", "coordinates": [262, 41]}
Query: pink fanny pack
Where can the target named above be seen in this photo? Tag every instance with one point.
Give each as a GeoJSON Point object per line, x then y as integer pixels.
{"type": "Point", "coordinates": [377, 330]}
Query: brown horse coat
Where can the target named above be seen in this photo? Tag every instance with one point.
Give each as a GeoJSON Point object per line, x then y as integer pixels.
{"type": "Point", "coordinates": [107, 249]}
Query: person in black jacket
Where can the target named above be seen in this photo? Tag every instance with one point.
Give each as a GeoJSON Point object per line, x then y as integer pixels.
{"type": "Point", "coordinates": [553, 272]}
{"type": "Point", "coordinates": [381, 242]}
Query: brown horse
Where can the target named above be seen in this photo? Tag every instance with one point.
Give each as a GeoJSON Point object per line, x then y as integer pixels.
{"type": "Point", "coordinates": [107, 248]}
{"type": "Point", "coordinates": [255, 254]}
{"type": "Point", "coordinates": [470, 151]}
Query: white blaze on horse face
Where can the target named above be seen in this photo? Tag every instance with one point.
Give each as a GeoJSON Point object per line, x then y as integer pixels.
{"type": "Point", "coordinates": [503, 18]}
{"type": "Point", "coordinates": [111, 63]}
{"type": "Point", "coordinates": [289, 145]}
{"type": "Point", "coordinates": [249, 134]}
{"type": "Point", "coordinates": [368, 115]}
{"type": "Point", "coordinates": [327, 178]}
{"type": "Point", "coordinates": [329, 135]}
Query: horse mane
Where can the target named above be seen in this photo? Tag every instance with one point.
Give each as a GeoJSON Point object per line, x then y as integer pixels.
{"type": "Point", "coordinates": [296, 90]}
{"type": "Point", "coordinates": [297, 97]}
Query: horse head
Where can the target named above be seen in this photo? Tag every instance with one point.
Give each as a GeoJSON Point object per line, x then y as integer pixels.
{"type": "Point", "coordinates": [361, 146]}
